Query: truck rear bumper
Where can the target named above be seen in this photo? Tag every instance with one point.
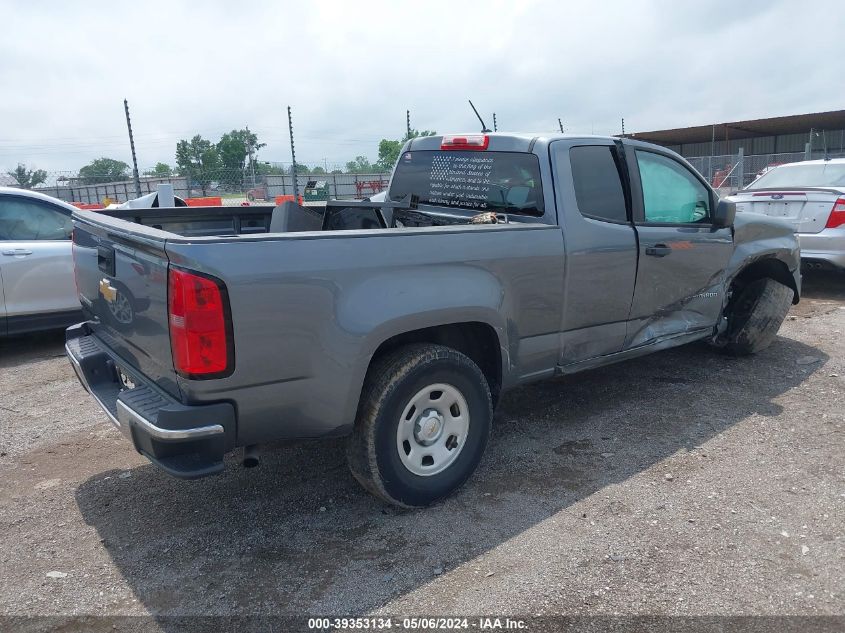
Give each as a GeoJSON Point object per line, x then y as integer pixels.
{"type": "Point", "coordinates": [183, 440]}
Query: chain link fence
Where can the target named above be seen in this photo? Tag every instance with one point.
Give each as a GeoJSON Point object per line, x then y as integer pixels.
{"type": "Point", "coordinates": [727, 173]}
{"type": "Point", "coordinates": [218, 187]}
{"type": "Point", "coordinates": [731, 172]}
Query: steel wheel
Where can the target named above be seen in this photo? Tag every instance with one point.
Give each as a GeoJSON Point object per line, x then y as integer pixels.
{"type": "Point", "coordinates": [413, 442]}
{"type": "Point", "coordinates": [432, 429]}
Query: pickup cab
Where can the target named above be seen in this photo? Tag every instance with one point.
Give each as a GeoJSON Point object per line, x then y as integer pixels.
{"type": "Point", "coordinates": [494, 261]}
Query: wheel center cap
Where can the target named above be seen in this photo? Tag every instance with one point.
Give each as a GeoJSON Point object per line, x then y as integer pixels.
{"type": "Point", "coordinates": [428, 427]}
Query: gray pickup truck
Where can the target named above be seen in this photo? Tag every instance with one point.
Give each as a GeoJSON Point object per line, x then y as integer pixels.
{"type": "Point", "coordinates": [495, 260]}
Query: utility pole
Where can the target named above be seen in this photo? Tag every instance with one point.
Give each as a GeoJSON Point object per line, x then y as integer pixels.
{"type": "Point", "coordinates": [407, 124]}
{"type": "Point", "coordinates": [293, 158]}
{"type": "Point", "coordinates": [495, 127]}
{"type": "Point", "coordinates": [248, 148]}
{"type": "Point", "coordinates": [712, 153]}
{"type": "Point", "coordinates": [132, 147]}
{"type": "Point", "coordinates": [623, 126]}
{"type": "Point", "coordinates": [560, 124]}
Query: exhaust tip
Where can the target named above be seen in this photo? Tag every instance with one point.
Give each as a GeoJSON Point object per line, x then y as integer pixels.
{"type": "Point", "coordinates": [251, 458]}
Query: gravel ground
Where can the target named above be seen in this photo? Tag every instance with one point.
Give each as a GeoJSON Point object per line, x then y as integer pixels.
{"type": "Point", "coordinates": [685, 483]}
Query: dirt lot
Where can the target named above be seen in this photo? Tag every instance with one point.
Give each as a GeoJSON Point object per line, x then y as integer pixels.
{"type": "Point", "coordinates": [681, 483]}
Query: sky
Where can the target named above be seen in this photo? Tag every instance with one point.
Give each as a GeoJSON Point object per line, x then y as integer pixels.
{"type": "Point", "coordinates": [350, 70]}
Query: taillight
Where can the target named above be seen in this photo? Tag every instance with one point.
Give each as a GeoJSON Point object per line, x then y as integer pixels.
{"type": "Point", "coordinates": [200, 328]}
{"type": "Point", "coordinates": [467, 141]}
{"type": "Point", "coordinates": [837, 214]}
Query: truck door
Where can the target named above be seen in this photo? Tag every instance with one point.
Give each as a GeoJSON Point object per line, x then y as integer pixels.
{"type": "Point", "coordinates": [594, 213]}
{"type": "Point", "coordinates": [682, 256]}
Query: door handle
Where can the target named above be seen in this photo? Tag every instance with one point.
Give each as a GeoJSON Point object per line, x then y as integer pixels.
{"type": "Point", "coordinates": [658, 250]}
{"type": "Point", "coordinates": [17, 252]}
{"type": "Point", "coordinates": [105, 259]}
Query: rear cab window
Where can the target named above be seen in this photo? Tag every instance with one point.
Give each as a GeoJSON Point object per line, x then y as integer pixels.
{"type": "Point", "coordinates": [478, 181]}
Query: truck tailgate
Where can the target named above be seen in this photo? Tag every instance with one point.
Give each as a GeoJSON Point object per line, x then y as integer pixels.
{"type": "Point", "coordinates": [121, 277]}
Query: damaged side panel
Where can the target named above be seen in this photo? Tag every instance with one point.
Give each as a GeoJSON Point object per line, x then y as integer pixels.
{"type": "Point", "coordinates": [680, 282]}
{"type": "Point", "coordinates": [697, 311]}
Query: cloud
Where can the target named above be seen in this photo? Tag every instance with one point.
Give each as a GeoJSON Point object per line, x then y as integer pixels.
{"type": "Point", "coordinates": [351, 69]}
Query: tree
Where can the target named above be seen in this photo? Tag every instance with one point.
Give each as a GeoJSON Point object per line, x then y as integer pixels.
{"type": "Point", "coordinates": [199, 160]}
{"type": "Point", "coordinates": [233, 149]}
{"type": "Point", "coordinates": [388, 151]}
{"type": "Point", "coordinates": [103, 170]}
{"type": "Point", "coordinates": [28, 178]}
{"type": "Point", "coordinates": [318, 171]}
{"type": "Point", "coordinates": [161, 170]}
{"type": "Point", "coordinates": [388, 154]}
{"type": "Point", "coordinates": [361, 165]}
{"type": "Point", "coordinates": [300, 169]}
{"type": "Point", "coordinates": [269, 169]}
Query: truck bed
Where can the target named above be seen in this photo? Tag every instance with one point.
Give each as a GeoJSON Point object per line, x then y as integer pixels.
{"type": "Point", "coordinates": [200, 221]}
{"type": "Point", "coordinates": [308, 308]}
{"type": "Point", "coordinates": [334, 216]}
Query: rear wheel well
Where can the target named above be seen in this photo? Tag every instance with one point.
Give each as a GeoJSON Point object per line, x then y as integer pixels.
{"type": "Point", "coordinates": [478, 341]}
{"type": "Point", "coordinates": [768, 267]}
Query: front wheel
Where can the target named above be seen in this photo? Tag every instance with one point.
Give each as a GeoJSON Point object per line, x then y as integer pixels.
{"type": "Point", "coordinates": [755, 316]}
{"type": "Point", "coordinates": [423, 423]}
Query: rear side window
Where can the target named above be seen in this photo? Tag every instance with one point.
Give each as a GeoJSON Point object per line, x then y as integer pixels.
{"type": "Point", "coordinates": [29, 220]}
{"type": "Point", "coordinates": [598, 188]}
{"type": "Point", "coordinates": [477, 181]}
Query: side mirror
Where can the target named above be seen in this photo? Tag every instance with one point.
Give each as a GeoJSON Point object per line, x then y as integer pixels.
{"type": "Point", "coordinates": [725, 213]}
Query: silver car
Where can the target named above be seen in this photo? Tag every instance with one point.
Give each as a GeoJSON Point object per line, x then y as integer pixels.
{"type": "Point", "coordinates": [37, 288]}
{"type": "Point", "coordinates": [811, 196]}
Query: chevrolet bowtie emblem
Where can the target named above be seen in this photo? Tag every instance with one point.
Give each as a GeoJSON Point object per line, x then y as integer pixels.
{"type": "Point", "coordinates": [108, 291]}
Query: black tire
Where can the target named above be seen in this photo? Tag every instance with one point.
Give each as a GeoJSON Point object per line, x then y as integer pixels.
{"type": "Point", "coordinates": [391, 383]}
{"type": "Point", "coordinates": [755, 316]}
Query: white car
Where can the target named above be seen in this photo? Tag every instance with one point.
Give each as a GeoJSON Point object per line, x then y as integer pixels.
{"type": "Point", "coordinates": [37, 288]}
{"type": "Point", "coordinates": [810, 196]}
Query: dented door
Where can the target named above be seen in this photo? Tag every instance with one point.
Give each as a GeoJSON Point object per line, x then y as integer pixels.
{"type": "Point", "coordinates": [682, 256]}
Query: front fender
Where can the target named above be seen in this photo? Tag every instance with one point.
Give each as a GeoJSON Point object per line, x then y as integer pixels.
{"type": "Point", "coordinates": [758, 237]}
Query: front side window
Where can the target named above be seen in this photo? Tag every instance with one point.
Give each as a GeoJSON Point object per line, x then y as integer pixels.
{"type": "Point", "coordinates": [598, 188]}
{"type": "Point", "coordinates": [671, 194]}
{"type": "Point", "coordinates": [477, 181]}
{"type": "Point", "coordinates": [29, 220]}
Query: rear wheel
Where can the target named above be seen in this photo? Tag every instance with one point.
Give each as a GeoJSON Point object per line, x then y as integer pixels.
{"type": "Point", "coordinates": [422, 426]}
{"type": "Point", "coordinates": [755, 316]}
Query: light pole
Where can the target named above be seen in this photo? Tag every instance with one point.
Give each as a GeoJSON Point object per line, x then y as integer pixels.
{"type": "Point", "coordinates": [132, 147]}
